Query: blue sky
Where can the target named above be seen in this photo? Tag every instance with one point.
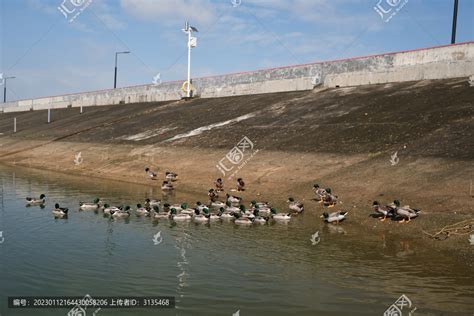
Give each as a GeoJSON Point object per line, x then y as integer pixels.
{"type": "Point", "coordinates": [51, 56]}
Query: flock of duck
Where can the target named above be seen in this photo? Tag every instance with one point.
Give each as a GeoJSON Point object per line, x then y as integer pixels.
{"type": "Point", "coordinates": [229, 209]}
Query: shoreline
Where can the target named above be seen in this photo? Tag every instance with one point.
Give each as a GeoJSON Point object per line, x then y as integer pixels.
{"type": "Point", "coordinates": [261, 175]}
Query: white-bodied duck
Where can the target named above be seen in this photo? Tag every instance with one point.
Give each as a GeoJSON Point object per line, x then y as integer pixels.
{"type": "Point", "coordinates": [179, 217]}
{"type": "Point", "coordinates": [295, 206]}
{"type": "Point", "coordinates": [335, 217]}
{"type": "Point", "coordinates": [123, 213]}
{"type": "Point", "coordinates": [166, 186]}
{"type": "Point", "coordinates": [35, 201]}
{"type": "Point", "coordinates": [283, 217]}
{"type": "Point", "coordinates": [142, 211]}
{"type": "Point", "coordinates": [59, 211]}
{"type": "Point", "coordinates": [90, 206]}
{"type": "Point", "coordinates": [171, 176]}
{"type": "Point", "coordinates": [233, 199]}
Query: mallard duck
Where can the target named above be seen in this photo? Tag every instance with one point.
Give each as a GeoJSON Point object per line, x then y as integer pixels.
{"type": "Point", "coordinates": [179, 217]}
{"type": "Point", "coordinates": [201, 218]}
{"type": "Point", "coordinates": [295, 206]}
{"type": "Point", "coordinates": [125, 213]}
{"type": "Point", "coordinates": [262, 210]}
{"type": "Point", "coordinates": [35, 201]}
{"type": "Point", "coordinates": [185, 209]}
{"type": "Point", "coordinates": [226, 215]}
{"type": "Point", "coordinates": [280, 216]}
{"type": "Point", "coordinates": [200, 206]}
{"type": "Point", "coordinates": [334, 217]}
{"type": "Point", "coordinates": [152, 203]}
{"type": "Point", "coordinates": [385, 211]}
{"type": "Point", "coordinates": [240, 184]}
{"type": "Point", "coordinates": [171, 176]}
{"type": "Point", "coordinates": [233, 199]}
{"type": "Point", "coordinates": [215, 217]}
{"type": "Point", "coordinates": [150, 173]}
{"type": "Point", "coordinates": [217, 204]}
{"type": "Point", "coordinates": [219, 185]}
{"type": "Point", "coordinates": [213, 195]}
{"type": "Point", "coordinates": [231, 209]}
{"type": "Point", "coordinates": [142, 211]}
{"type": "Point", "coordinates": [405, 212]}
{"type": "Point", "coordinates": [329, 199]}
{"type": "Point", "coordinates": [110, 209]}
{"type": "Point", "coordinates": [241, 220]}
{"type": "Point", "coordinates": [167, 186]}
{"type": "Point", "coordinates": [246, 213]}
{"type": "Point", "coordinates": [59, 211]}
{"type": "Point", "coordinates": [319, 192]}
{"type": "Point", "coordinates": [88, 206]}
{"type": "Point", "coordinates": [261, 205]}
{"type": "Point", "coordinates": [161, 215]}
{"type": "Point", "coordinates": [259, 219]}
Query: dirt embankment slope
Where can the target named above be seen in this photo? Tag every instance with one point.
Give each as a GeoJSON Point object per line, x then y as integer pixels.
{"type": "Point", "coordinates": [343, 138]}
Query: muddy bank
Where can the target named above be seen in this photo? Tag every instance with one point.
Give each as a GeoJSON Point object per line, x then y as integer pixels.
{"type": "Point", "coordinates": [345, 139]}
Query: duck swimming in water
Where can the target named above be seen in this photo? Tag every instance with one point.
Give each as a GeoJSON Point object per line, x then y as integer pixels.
{"type": "Point", "coordinates": [88, 206]}
{"type": "Point", "coordinates": [295, 206]}
{"type": "Point", "coordinates": [319, 192]}
{"type": "Point", "coordinates": [335, 217]}
{"type": "Point", "coordinates": [35, 201]}
{"type": "Point", "coordinates": [280, 216]}
{"type": "Point", "coordinates": [59, 211]}
{"type": "Point", "coordinates": [142, 211]}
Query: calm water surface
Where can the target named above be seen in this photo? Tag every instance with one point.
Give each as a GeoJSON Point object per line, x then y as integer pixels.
{"type": "Point", "coordinates": [214, 269]}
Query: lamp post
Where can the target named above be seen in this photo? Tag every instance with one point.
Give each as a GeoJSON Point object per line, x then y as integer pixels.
{"type": "Point", "coordinates": [115, 76]}
{"type": "Point", "coordinates": [5, 88]}
{"type": "Point", "coordinates": [192, 42]}
{"type": "Point", "coordinates": [455, 18]}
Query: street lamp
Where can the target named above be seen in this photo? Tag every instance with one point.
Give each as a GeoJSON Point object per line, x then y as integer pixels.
{"type": "Point", "coordinates": [455, 19]}
{"type": "Point", "coordinates": [5, 88]}
{"type": "Point", "coordinates": [192, 42]}
{"type": "Point", "coordinates": [115, 76]}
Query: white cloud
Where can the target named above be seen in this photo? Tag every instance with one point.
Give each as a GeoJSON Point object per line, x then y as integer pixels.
{"type": "Point", "coordinates": [197, 11]}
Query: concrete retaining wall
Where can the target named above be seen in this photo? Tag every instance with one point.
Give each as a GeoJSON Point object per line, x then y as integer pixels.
{"type": "Point", "coordinates": [443, 62]}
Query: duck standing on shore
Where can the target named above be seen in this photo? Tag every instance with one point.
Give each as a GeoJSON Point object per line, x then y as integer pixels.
{"type": "Point", "coordinates": [219, 185]}
{"type": "Point", "coordinates": [171, 176]}
{"type": "Point", "coordinates": [151, 174]}
{"type": "Point", "coordinates": [406, 213]}
{"type": "Point", "coordinates": [319, 192]}
{"type": "Point", "coordinates": [385, 211]}
{"type": "Point", "coordinates": [329, 199]}
{"type": "Point", "coordinates": [240, 184]}
{"type": "Point", "coordinates": [213, 195]}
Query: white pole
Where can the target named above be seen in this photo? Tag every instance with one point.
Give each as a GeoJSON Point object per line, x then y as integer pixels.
{"type": "Point", "coordinates": [49, 116]}
{"type": "Point", "coordinates": [14, 125]}
{"type": "Point", "coordinates": [81, 109]}
{"type": "Point", "coordinates": [189, 63]}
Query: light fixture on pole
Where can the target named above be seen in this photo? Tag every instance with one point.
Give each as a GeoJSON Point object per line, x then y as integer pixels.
{"type": "Point", "coordinates": [192, 42]}
{"type": "Point", "coordinates": [5, 88]}
{"type": "Point", "coordinates": [115, 76]}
